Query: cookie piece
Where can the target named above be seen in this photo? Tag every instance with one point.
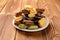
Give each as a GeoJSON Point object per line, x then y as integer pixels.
{"type": "Point", "coordinates": [18, 18]}
{"type": "Point", "coordinates": [33, 27]}
{"type": "Point", "coordinates": [42, 22]}
{"type": "Point", "coordinates": [22, 26]}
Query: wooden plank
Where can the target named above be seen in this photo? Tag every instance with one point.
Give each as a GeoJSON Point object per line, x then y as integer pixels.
{"type": "Point", "coordinates": [12, 7]}
{"type": "Point", "coordinates": [8, 30]}
{"type": "Point", "coordinates": [20, 35]}
{"type": "Point", "coordinates": [2, 22]}
{"type": "Point", "coordinates": [42, 5]}
{"type": "Point", "coordinates": [51, 11]}
{"type": "Point", "coordinates": [52, 32]}
{"type": "Point", "coordinates": [3, 16]}
{"type": "Point", "coordinates": [9, 8]}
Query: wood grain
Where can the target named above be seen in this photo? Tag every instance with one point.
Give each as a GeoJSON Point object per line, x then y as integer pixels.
{"type": "Point", "coordinates": [54, 19]}
{"type": "Point", "coordinates": [2, 22]}
{"type": "Point", "coordinates": [52, 12]}
{"type": "Point", "coordinates": [2, 4]}
{"type": "Point", "coordinates": [8, 31]}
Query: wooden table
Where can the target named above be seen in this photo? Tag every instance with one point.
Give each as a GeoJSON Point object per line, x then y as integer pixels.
{"type": "Point", "coordinates": [9, 7]}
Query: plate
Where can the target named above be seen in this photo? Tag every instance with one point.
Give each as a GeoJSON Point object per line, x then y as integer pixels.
{"type": "Point", "coordinates": [35, 30]}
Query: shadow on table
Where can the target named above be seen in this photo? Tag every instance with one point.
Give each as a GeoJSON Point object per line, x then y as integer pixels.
{"type": "Point", "coordinates": [37, 34]}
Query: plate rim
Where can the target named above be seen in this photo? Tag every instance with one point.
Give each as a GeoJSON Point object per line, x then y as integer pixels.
{"type": "Point", "coordinates": [35, 30]}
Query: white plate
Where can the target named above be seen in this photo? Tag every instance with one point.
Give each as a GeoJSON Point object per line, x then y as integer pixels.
{"type": "Point", "coordinates": [39, 29]}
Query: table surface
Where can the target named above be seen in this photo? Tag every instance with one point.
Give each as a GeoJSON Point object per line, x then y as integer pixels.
{"type": "Point", "coordinates": [9, 7]}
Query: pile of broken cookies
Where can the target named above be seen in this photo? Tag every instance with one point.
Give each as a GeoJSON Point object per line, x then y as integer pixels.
{"type": "Point", "coordinates": [30, 18]}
